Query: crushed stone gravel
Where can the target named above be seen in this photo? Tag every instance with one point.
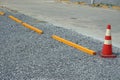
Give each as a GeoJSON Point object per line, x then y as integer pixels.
{"type": "Point", "coordinates": [26, 55]}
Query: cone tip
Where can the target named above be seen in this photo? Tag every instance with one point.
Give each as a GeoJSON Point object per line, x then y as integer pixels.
{"type": "Point", "coordinates": [108, 26]}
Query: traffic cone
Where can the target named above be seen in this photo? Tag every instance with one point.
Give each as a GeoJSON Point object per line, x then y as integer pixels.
{"type": "Point", "coordinates": [107, 46]}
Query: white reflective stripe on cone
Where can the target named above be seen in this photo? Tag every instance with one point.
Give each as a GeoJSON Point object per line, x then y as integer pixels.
{"type": "Point", "coordinates": [108, 42]}
{"type": "Point", "coordinates": [108, 32]}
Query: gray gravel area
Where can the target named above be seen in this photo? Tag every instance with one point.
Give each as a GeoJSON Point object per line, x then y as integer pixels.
{"type": "Point", "coordinates": [26, 55]}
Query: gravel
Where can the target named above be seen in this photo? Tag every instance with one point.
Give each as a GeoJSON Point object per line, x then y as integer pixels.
{"type": "Point", "coordinates": [26, 55]}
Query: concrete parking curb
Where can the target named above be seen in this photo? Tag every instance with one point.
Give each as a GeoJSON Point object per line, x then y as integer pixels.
{"type": "Point", "coordinates": [79, 47]}
{"type": "Point", "coordinates": [32, 28]}
{"type": "Point", "coordinates": [15, 19]}
{"type": "Point", "coordinates": [26, 25]}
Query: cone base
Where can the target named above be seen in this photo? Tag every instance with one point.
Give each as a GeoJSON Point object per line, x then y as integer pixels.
{"type": "Point", "coordinates": [109, 56]}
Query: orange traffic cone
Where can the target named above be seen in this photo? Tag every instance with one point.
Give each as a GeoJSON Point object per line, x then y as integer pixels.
{"type": "Point", "coordinates": [107, 46]}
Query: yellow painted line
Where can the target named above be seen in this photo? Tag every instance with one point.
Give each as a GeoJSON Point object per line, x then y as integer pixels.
{"type": "Point", "coordinates": [79, 47]}
{"type": "Point", "coordinates": [2, 13]}
{"type": "Point", "coordinates": [32, 28]}
{"type": "Point", "coordinates": [15, 19]}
